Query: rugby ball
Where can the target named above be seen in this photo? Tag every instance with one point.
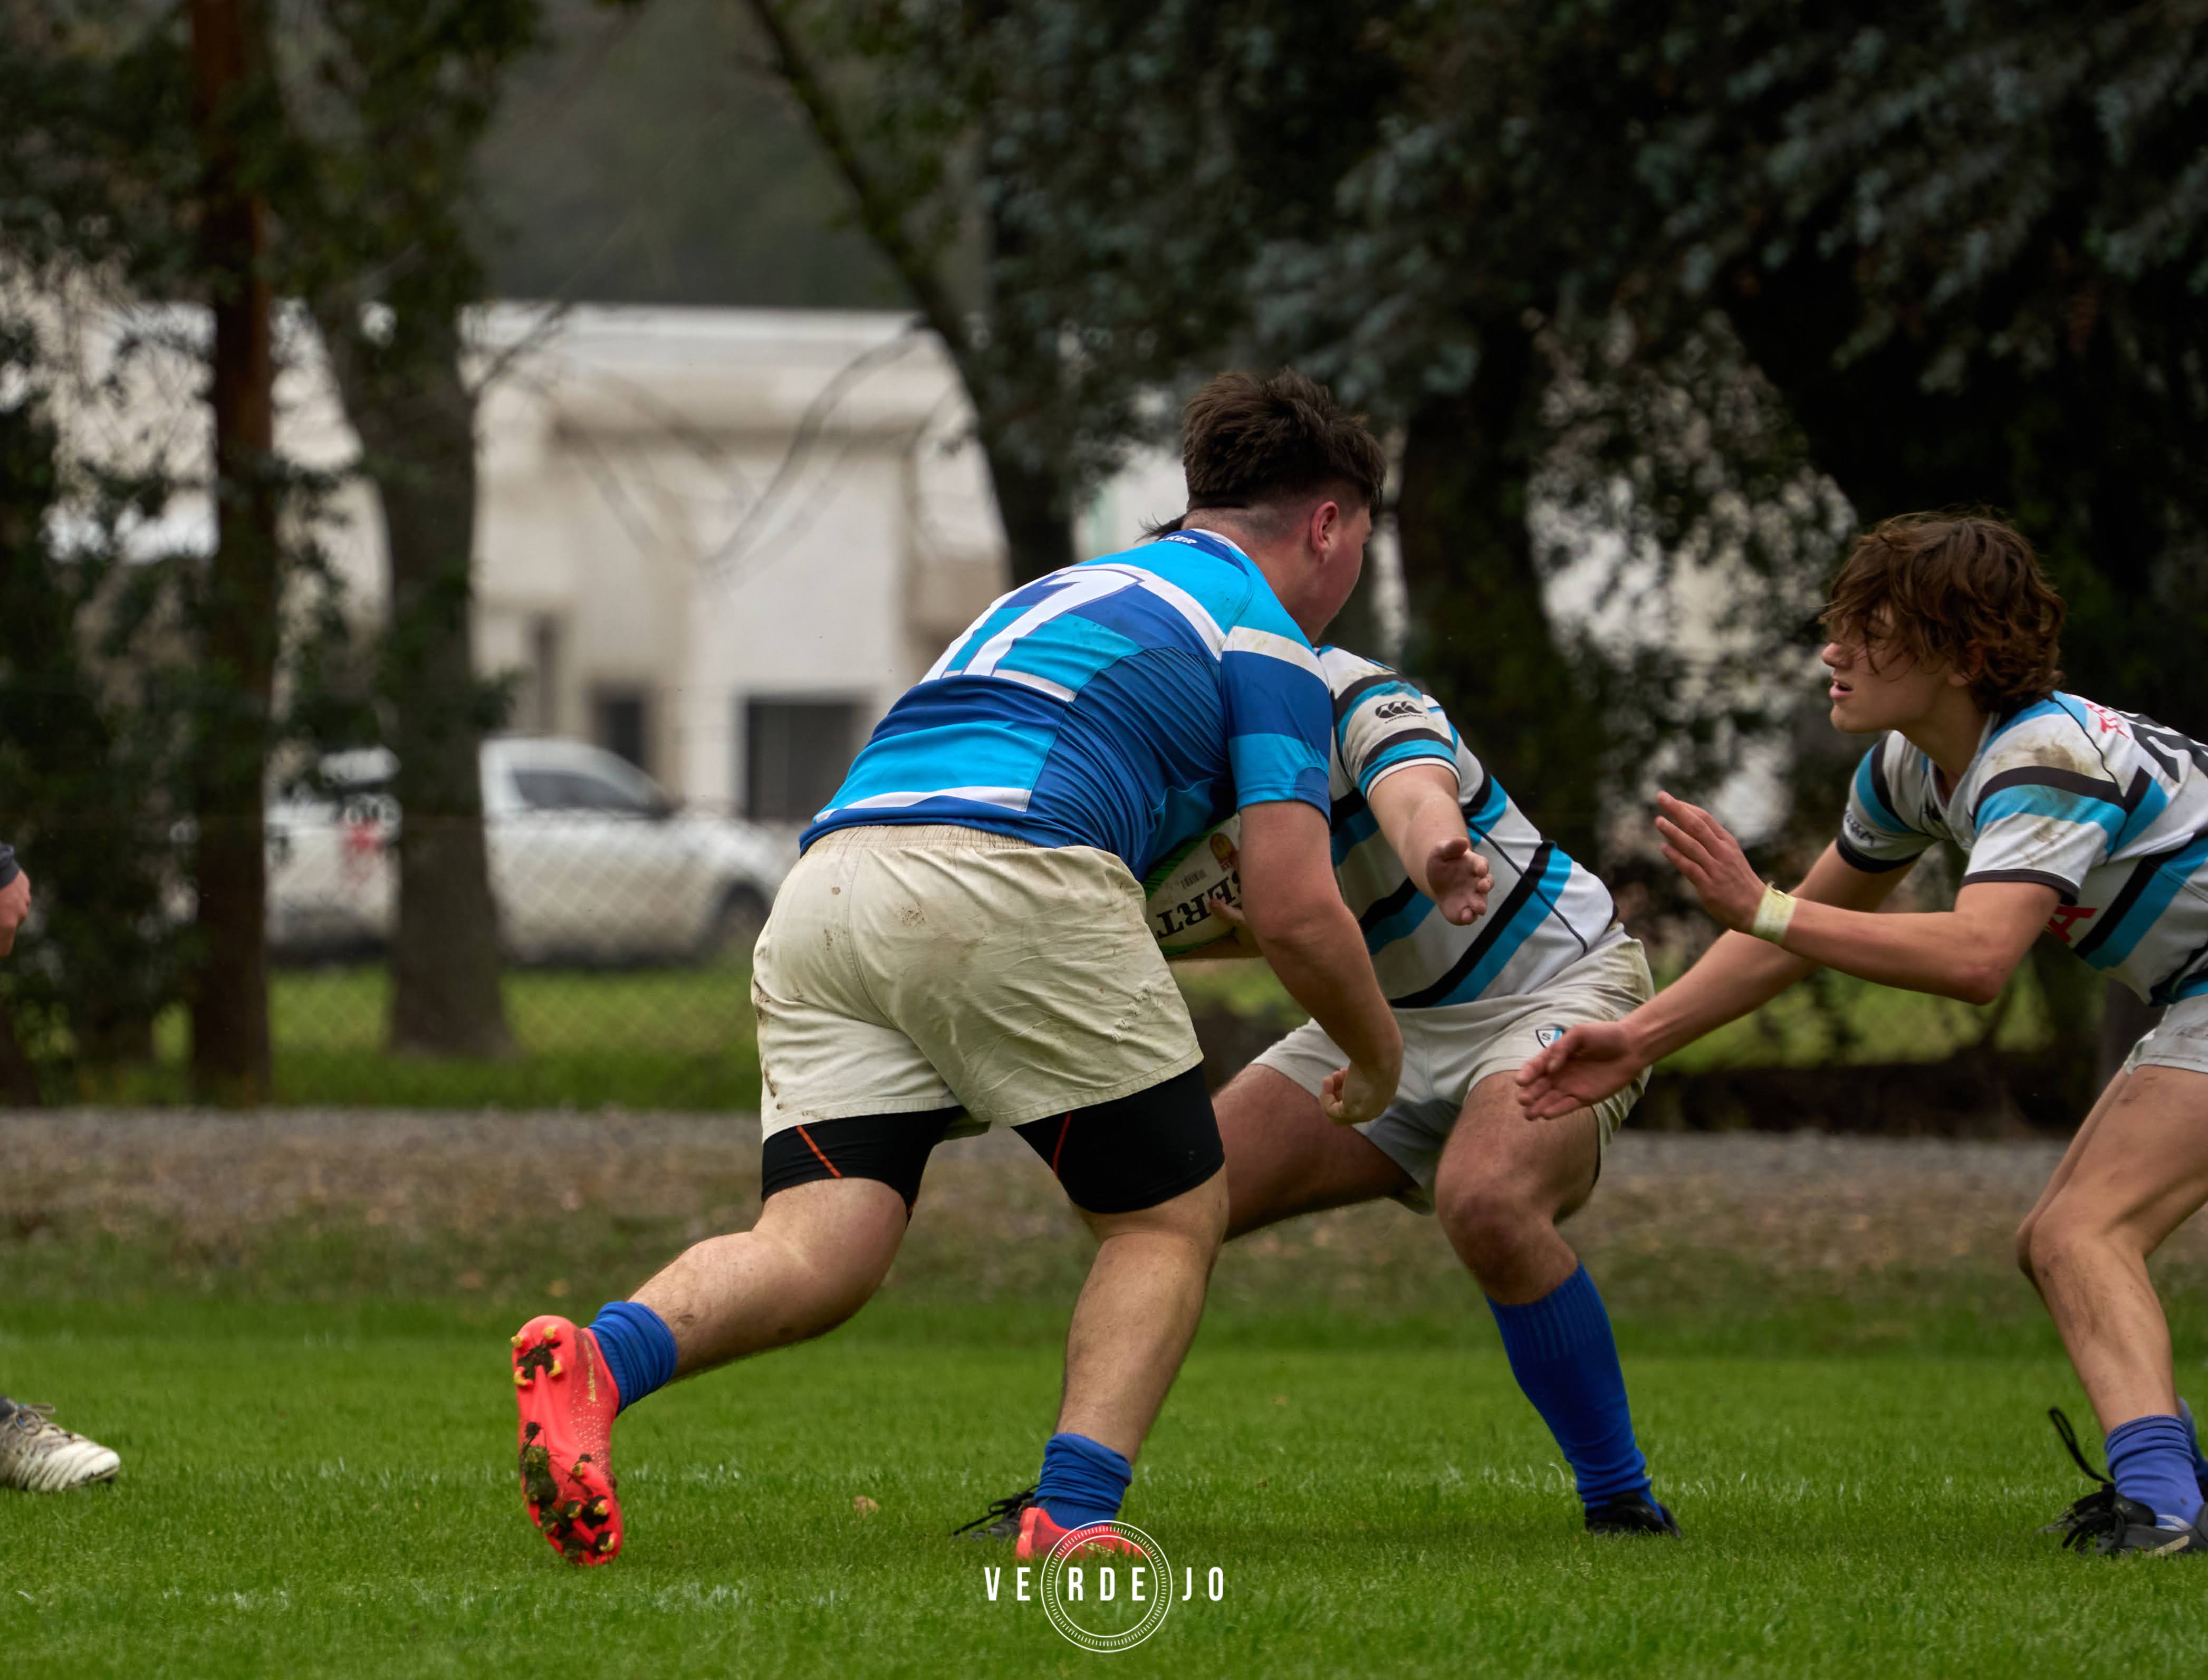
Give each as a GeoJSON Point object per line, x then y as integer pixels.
{"type": "Point", "coordinates": [1180, 892]}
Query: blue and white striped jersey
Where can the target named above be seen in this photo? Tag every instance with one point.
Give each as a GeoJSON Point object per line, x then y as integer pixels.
{"type": "Point", "coordinates": [2109, 809]}
{"type": "Point", "coordinates": [1546, 911]}
{"type": "Point", "coordinates": [1128, 703]}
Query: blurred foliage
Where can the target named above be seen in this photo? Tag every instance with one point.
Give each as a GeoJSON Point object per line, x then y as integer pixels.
{"type": "Point", "coordinates": [92, 759]}
{"type": "Point", "coordinates": [1071, 191]}
{"type": "Point", "coordinates": [1660, 301]}
{"type": "Point", "coordinates": [647, 155]}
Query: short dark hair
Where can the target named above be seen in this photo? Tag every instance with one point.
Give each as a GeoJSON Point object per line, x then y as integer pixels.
{"type": "Point", "coordinates": [1247, 441]}
{"type": "Point", "coordinates": [1961, 589]}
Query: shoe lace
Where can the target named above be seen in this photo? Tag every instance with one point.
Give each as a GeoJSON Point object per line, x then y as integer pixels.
{"type": "Point", "coordinates": [998, 1512]}
{"type": "Point", "coordinates": [2096, 1518]}
{"type": "Point", "coordinates": [26, 1415]}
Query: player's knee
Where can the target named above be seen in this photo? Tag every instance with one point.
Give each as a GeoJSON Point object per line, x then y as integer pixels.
{"type": "Point", "coordinates": [1491, 1226]}
{"type": "Point", "coordinates": [2063, 1238]}
{"type": "Point", "coordinates": [2023, 1234]}
{"type": "Point", "coordinates": [1196, 1216]}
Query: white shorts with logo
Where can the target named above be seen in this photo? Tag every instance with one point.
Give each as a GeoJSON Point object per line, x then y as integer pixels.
{"type": "Point", "coordinates": [913, 968]}
{"type": "Point", "coordinates": [2180, 1039]}
{"type": "Point", "coordinates": [1449, 1051]}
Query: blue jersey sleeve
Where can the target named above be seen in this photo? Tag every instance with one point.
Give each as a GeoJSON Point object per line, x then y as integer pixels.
{"type": "Point", "coordinates": [1280, 717]}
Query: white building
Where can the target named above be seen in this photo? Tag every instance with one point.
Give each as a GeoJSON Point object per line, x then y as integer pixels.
{"type": "Point", "coordinates": [721, 542]}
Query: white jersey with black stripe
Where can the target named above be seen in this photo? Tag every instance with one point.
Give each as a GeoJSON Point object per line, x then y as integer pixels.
{"type": "Point", "coordinates": [2109, 809]}
{"type": "Point", "coordinates": [1546, 911]}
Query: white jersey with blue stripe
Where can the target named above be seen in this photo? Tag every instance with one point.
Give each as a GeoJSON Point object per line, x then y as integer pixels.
{"type": "Point", "coordinates": [2109, 809]}
{"type": "Point", "coordinates": [1545, 913]}
{"type": "Point", "coordinates": [1128, 703]}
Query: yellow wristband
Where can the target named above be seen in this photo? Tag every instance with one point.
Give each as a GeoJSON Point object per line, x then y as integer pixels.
{"type": "Point", "coordinates": [1773, 915]}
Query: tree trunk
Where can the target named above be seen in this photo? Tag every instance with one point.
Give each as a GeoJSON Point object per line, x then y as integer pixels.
{"type": "Point", "coordinates": [1479, 634]}
{"type": "Point", "coordinates": [1031, 502]}
{"type": "Point", "coordinates": [416, 419]}
{"type": "Point", "coordinates": [229, 987]}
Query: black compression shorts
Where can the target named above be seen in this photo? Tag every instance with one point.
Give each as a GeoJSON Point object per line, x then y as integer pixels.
{"type": "Point", "coordinates": [1115, 1157]}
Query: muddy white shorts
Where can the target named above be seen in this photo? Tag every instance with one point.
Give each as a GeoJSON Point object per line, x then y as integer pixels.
{"type": "Point", "coordinates": [918, 968]}
{"type": "Point", "coordinates": [1449, 1051]}
{"type": "Point", "coordinates": [2180, 1039]}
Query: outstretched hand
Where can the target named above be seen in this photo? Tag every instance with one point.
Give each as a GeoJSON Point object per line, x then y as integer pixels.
{"type": "Point", "coordinates": [1591, 1061]}
{"type": "Point", "coordinates": [1461, 879]}
{"type": "Point", "coordinates": [1699, 846]}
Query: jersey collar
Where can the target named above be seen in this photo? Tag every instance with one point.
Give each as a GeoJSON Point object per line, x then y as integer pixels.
{"type": "Point", "coordinates": [1224, 548]}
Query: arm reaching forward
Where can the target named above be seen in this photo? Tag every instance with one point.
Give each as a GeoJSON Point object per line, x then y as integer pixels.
{"type": "Point", "coordinates": [1967, 952]}
{"type": "Point", "coordinates": [1416, 808]}
{"type": "Point", "coordinates": [1295, 911]}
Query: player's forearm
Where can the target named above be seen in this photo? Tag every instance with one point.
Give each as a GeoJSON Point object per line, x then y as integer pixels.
{"type": "Point", "coordinates": [1736, 977]}
{"type": "Point", "coordinates": [1944, 952]}
{"type": "Point", "coordinates": [1438, 822]}
{"type": "Point", "coordinates": [1320, 958]}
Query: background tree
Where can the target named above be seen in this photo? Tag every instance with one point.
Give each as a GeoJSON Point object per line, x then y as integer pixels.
{"type": "Point", "coordinates": [92, 756]}
{"type": "Point", "coordinates": [1071, 193]}
{"type": "Point", "coordinates": [231, 97]}
{"type": "Point", "coordinates": [388, 102]}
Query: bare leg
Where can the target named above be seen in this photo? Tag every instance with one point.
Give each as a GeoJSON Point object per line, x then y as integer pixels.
{"type": "Point", "coordinates": [2139, 1173]}
{"type": "Point", "coordinates": [1138, 1313]}
{"type": "Point", "coordinates": [1503, 1184]}
{"type": "Point", "coordinates": [2063, 1170]}
{"type": "Point", "coordinates": [1284, 1157]}
{"type": "Point", "coordinates": [817, 1255]}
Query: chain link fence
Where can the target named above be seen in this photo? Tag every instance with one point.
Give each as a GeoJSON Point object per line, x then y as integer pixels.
{"type": "Point", "coordinates": [624, 926]}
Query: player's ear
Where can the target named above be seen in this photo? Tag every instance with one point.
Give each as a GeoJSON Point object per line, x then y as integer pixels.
{"type": "Point", "coordinates": [1325, 523]}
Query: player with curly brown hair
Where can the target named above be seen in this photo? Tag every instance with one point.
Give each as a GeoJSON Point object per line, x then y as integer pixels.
{"type": "Point", "coordinates": [2074, 818]}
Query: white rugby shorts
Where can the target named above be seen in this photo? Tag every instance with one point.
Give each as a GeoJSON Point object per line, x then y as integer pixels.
{"type": "Point", "coordinates": [1449, 1051]}
{"type": "Point", "coordinates": [913, 968]}
{"type": "Point", "coordinates": [2180, 1039]}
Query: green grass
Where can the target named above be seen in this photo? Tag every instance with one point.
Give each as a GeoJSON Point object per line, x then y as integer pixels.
{"type": "Point", "coordinates": [325, 1489]}
{"type": "Point", "coordinates": [647, 1038]}
{"type": "Point", "coordinates": [686, 1038]}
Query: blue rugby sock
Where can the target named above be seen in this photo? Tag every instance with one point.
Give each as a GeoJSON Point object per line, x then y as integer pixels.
{"type": "Point", "coordinates": [1565, 1357]}
{"type": "Point", "coordinates": [2199, 1463]}
{"type": "Point", "coordinates": [639, 1348]}
{"type": "Point", "coordinates": [2150, 1460]}
{"type": "Point", "coordinates": [1082, 1481]}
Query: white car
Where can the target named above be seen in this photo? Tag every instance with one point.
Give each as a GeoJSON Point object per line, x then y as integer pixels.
{"type": "Point", "coordinates": [591, 860]}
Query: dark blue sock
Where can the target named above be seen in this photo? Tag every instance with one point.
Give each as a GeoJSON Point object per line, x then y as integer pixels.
{"type": "Point", "coordinates": [1082, 1481]}
{"type": "Point", "coordinates": [1565, 1357]}
{"type": "Point", "coordinates": [639, 1348]}
{"type": "Point", "coordinates": [2199, 1463]}
{"type": "Point", "coordinates": [2150, 1460]}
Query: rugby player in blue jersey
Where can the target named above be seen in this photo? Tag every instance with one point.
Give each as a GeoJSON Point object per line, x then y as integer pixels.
{"type": "Point", "coordinates": [963, 945]}
{"type": "Point", "coordinates": [2086, 822]}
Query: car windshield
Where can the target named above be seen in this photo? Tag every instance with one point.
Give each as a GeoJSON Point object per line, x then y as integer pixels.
{"type": "Point", "coordinates": [548, 790]}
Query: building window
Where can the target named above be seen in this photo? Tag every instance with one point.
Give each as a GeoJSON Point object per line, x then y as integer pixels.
{"type": "Point", "coordinates": [795, 753]}
{"type": "Point", "coordinates": [543, 688]}
{"type": "Point", "coordinates": [622, 720]}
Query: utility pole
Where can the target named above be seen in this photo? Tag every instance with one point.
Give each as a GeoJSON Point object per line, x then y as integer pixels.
{"type": "Point", "coordinates": [239, 610]}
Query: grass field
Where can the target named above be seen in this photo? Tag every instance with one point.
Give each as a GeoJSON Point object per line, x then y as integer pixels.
{"type": "Point", "coordinates": [684, 1037]}
{"type": "Point", "coordinates": [327, 1491]}
{"type": "Point", "coordinates": [1839, 1383]}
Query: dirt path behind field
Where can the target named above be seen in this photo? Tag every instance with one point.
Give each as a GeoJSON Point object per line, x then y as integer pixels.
{"type": "Point", "coordinates": [395, 1202]}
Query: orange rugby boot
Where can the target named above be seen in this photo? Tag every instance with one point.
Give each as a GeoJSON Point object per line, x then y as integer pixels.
{"type": "Point", "coordinates": [1038, 1534]}
{"type": "Point", "coordinates": [567, 1402]}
